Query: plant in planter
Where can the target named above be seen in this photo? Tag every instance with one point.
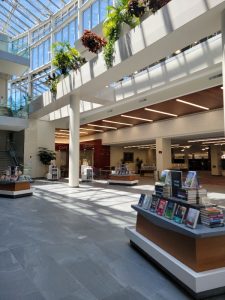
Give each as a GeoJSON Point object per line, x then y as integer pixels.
{"type": "Point", "coordinates": [52, 81]}
{"type": "Point", "coordinates": [92, 41]}
{"type": "Point", "coordinates": [76, 61]}
{"type": "Point", "coordinates": [117, 16]}
{"type": "Point", "coordinates": [137, 8]}
{"type": "Point", "coordinates": [61, 57]}
{"type": "Point", "coordinates": [46, 155]}
{"type": "Point", "coordinates": [155, 5]}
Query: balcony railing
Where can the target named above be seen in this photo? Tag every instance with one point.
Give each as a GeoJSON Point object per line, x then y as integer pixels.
{"type": "Point", "coordinates": [10, 109]}
{"type": "Point", "coordinates": [9, 47]}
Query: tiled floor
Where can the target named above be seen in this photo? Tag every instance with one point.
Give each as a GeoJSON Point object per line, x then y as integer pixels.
{"type": "Point", "coordinates": [69, 243]}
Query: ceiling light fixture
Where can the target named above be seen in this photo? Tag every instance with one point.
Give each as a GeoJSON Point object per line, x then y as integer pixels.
{"type": "Point", "coordinates": [192, 104]}
{"type": "Point", "coordinates": [136, 118]}
{"type": "Point", "coordinates": [64, 130]}
{"type": "Point", "coordinates": [90, 129]}
{"type": "Point", "coordinates": [83, 132]}
{"type": "Point", "coordinates": [209, 139]}
{"type": "Point", "coordinates": [212, 142]}
{"type": "Point", "coordinates": [161, 112]}
{"type": "Point", "coordinates": [114, 122]}
{"type": "Point", "coordinates": [102, 126]}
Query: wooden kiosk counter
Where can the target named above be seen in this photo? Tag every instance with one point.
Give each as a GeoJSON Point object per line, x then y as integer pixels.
{"type": "Point", "coordinates": [15, 189]}
{"type": "Point", "coordinates": [195, 257]}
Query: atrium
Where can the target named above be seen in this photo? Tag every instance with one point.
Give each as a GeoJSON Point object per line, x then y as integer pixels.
{"type": "Point", "coordinates": [102, 102]}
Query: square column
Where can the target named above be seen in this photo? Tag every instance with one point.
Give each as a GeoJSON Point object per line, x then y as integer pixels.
{"type": "Point", "coordinates": [74, 143]}
{"type": "Point", "coordinates": [215, 160]}
{"type": "Point", "coordinates": [163, 154]}
{"type": "Point", "coordinates": [223, 59]}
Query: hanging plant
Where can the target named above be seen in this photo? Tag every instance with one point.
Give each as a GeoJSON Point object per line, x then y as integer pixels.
{"type": "Point", "coordinates": [51, 82]}
{"type": "Point", "coordinates": [46, 155]}
{"type": "Point", "coordinates": [137, 8]}
{"type": "Point", "coordinates": [117, 15]}
{"type": "Point", "coordinates": [92, 41]}
{"type": "Point", "coordinates": [155, 5]}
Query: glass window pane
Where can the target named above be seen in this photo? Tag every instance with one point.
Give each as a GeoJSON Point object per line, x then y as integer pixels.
{"type": "Point", "coordinates": [87, 19]}
{"type": "Point", "coordinates": [76, 29]}
{"type": "Point", "coordinates": [46, 51]}
{"type": "Point", "coordinates": [58, 36]}
{"type": "Point", "coordinates": [34, 58]}
{"type": "Point", "coordinates": [41, 55]}
{"type": "Point", "coordinates": [94, 14]}
{"type": "Point", "coordinates": [103, 9]}
{"type": "Point", "coordinates": [72, 33]}
{"type": "Point", "coordinates": [65, 36]}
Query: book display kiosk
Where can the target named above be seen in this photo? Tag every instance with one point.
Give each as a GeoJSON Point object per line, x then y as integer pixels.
{"type": "Point", "coordinates": [123, 177]}
{"type": "Point", "coordinates": [186, 239]}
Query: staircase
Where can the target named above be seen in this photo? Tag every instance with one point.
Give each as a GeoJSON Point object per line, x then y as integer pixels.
{"type": "Point", "coordinates": [5, 161]}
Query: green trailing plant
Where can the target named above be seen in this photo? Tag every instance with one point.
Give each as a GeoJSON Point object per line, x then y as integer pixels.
{"type": "Point", "coordinates": [117, 16]}
{"type": "Point", "coordinates": [92, 41]}
{"type": "Point", "coordinates": [52, 81]}
{"type": "Point", "coordinates": [46, 155]}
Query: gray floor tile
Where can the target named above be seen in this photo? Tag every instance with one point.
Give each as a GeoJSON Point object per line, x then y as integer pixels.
{"type": "Point", "coordinates": [128, 294]}
{"type": "Point", "coordinates": [8, 261]}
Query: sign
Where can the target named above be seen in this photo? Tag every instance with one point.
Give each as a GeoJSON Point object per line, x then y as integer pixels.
{"type": "Point", "coordinates": [176, 182]}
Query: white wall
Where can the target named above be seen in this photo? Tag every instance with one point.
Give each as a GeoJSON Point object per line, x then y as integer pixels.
{"type": "Point", "coordinates": [3, 90]}
{"type": "Point", "coordinates": [38, 134]}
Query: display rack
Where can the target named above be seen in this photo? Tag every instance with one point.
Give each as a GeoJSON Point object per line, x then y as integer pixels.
{"type": "Point", "coordinates": [195, 257]}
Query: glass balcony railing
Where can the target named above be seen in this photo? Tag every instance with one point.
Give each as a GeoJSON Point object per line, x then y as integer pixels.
{"type": "Point", "coordinates": [10, 109]}
{"type": "Point", "coordinates": [7, 46]}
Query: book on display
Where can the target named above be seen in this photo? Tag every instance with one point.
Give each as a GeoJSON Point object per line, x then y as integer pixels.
{"type": "Point", "coordinates": [212, 217]}
{"type": "Point", "coordinates": [192, 217]}
{"type": "Point", "coordinates": [170, 208]}
{"type": "Point", "coordinates": [179, 214]}
{"type": "Point", "coordinates": [141, 200]}
{"type": "Point", "coordinates": [147, 202]}
{"type": "Point", "coordinates": [161, 207]}
{"type": "Point", "coordinates": [154, 203]}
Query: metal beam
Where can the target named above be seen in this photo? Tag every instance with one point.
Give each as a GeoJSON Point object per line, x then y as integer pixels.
{"type": "Point", "coordinates": [11, 21]}
{"type": "Point", "coordinates": [15, 16]}
{"type": "Point", "coordinates": [36, 8]}
{"type": "Point", "coordinates": [10, 26]}
{"type": "Point", "coordinates": [45, 7]}
{"type": "Point", "coordinates": [54, 4]}
{"type": "Point", "coordinates": [21, 12]}
{"type": "Point", "coordinates": [30, 12]}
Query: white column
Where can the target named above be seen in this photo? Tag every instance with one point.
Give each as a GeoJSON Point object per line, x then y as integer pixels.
{"type": "Point", "coordinates": [215, 160]}
{"type": "Point", "coordinates": [163, 154]}
{"type": "Point", "coordinates": [74, 146]}
{"type": "Point", "coordinates": [223, 60]}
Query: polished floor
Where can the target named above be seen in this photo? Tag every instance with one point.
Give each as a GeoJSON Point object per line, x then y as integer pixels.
{"type": "Point", "coordinates": [68, 243]}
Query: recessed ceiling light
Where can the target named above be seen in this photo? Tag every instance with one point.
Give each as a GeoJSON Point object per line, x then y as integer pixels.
{"type": "Point", "coordinates": [83, 132]}
{"type": "Point", "coordinates": [64, 130]}
{"type": "Point", "coordinates": [91, 129]}
{"type": "Point", "coordinates": [136, 118]}
{"type": "Point", "coordinates": [204, 140]}
{"type": "Point", "coordinates": [114, 122]}
{"type": "Point", "coordinates": [192, 104]}
{"type": "Point", "coordinates": [178, 51]}
{"type": "Point", "coordinates": [221, 87]}
{"type": "Point", "coordinates": [102, 126]}
{"type": "Point", "coordinates": [161, 112]}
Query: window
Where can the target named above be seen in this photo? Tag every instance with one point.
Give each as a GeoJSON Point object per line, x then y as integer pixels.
{"type": "Point", "coordinates": [87, 19]}
{"type": "Point", "coordinates": [34, 58]}
{"type": "Point", "coordinates": [65, 35]}
{"type": "Point", "coordinates": [103, 9]}
{"type": "Point", "coordinates": [40, 54]}
{"type": "Point", "coordinates": [94, 14]}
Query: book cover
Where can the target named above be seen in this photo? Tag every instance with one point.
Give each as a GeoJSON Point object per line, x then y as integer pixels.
{"type": "Point", "coordinates": [147, 202]}
{"type": "Point", "coordinates": [170, 208]}
{"type": "Point", "coordinates": [154, 203]}
{"type": "Point", "coordinates": [160, 210]}
{"type": "Point", "coordinates": [191, 180]}
{"type": "Point", "coordinates": [192, 217]}
{"type": "Point", "coordinates": [179, 214]}
{"type": "Point", "coordinates": [141, 200]}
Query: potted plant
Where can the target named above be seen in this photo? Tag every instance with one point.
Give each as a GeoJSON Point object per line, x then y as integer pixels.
{"type": "Point", "coordinates": [46, 155]}
{"type": "Point", "coordinates": [137, 8]}
{"type": "Point", "coordinates": [76, 61]}
{"type": "Point", "coordinates": [92, 41]}
{"type": "Point", "coordinates": [155, 5]}
{"type": "Point", "coordinates": [51, 82]}
{"type": "Point", "coordinates": [61, 57]}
